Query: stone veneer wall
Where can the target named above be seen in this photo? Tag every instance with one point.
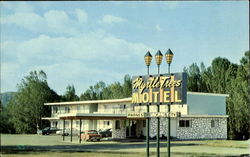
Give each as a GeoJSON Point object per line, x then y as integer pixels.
{"type": "Point", "coordinates": [153, 127]}
{"type": "Point", "coordinates": [119, 133]}
{"type": "Point", "coordinates": [201, 129]}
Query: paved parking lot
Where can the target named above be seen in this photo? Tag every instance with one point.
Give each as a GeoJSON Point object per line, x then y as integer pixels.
{"type": "Point", "coordinates": [16, 143]}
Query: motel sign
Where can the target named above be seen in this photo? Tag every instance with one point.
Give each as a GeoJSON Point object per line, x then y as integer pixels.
{"type": "Point", "coordinates": [166, 89]}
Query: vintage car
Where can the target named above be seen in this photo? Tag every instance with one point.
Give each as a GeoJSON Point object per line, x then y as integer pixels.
{"type": "Point", "coordinates": [67, 132]}
{"type": "Point", "coordinates": [90, 135]}
{"type": "Point", "coordinates": [49, 130]}
{"type": "Point", "coordinates": [106, 132]}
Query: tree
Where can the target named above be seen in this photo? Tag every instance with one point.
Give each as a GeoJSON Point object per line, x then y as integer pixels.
{"type": "Point", "coordinates": [238, 102]}
{"type": "Point", "coordinates": [113, 91]}
{"type": "Point", "coordinates": [70, 94]}
{"type": "Point", "coordinates": [225, 77]}
{"type": "Point", "coordinates": [127, 86]}
{"type": "Point", "coordinates": [94, 92]}
{"type": "Point", "coordinates": [27, 108]}
{"type": "Point", "coordinates": [194, 78]}
{"type": "Point", "coordinates": [219, 80]}
{"type": "Point", "coordinates": [5, 125]}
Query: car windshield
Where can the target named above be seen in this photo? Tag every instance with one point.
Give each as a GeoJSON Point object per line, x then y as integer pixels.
{"type": "Point", "coordinates": [46, 128]}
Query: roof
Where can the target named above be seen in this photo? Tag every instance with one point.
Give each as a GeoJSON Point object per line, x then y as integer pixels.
{"type": "Point", "coordinates": [208, 94]}
{"type": "Point", "coordinates": [50, 118]}
{"type": "Point", "coordinates": [203, 116]}
{"type": "Point", "coordinates": [124, 100]}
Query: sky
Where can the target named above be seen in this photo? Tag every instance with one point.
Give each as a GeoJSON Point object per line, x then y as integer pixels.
{"type": "Point", "coordinates": [82, 43]}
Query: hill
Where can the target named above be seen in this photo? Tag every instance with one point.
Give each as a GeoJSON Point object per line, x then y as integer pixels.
{"type": "Point", "coordinates": [6, 97]}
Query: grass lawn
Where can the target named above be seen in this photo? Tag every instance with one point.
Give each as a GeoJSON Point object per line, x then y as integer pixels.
{"type": "Point", "coordinates": [53, 146]}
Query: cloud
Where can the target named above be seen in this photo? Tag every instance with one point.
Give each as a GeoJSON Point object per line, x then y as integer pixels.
{"type": "Point", "coordinates": [52, 21]}
{"type": "Point", "coordinates": [59, 21]}
{"type": "Point", "coordinates": [81, 15]}
{"type": "Point", "coordinates": [30, 21]}
{"type": "Point", "coordinates": [18, 6]}
{"type": "Point", "coordinates": [110, 19]}
{"type": "Point", "coordinates": [158, 28]}
{"type": "Point", "coordinates": [10, 73]}
{"type": "Point", "coordinates": [81, 60]}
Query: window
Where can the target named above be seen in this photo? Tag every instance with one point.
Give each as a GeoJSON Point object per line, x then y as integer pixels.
{"type": "Point", "coordinates": [78, 107]}
{"type": "Point", "coordinates": [123, 106]}
{"type": "Point", "coordinates": [66, 124]}
{"type": "Point", "coordinates": [55, 109]}
{"type": "Point", "coordinates": [55, 124]}
{"type": "Point", "coordinates": [117, 124]}
{"type": "Point", "coordinates": [77, 124]}
{"type": "Point", "coordinates": [184, 123]}
{"type": "Point", "coordinates": [106, 123]}
{"type": "Point", "coordinates": [214, 123]}
{"type": "Point", "coordinates": [133, 108]}
{"type": "Point", "coordinates": [67, 109]}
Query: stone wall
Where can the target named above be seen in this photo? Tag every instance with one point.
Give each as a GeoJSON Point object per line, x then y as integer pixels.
{"type": "Point", "coordinates": [200, 128]}
{"type": "Point", "coordinates": [153, 127]}
{"type": "Point", "coordinates": [119, 133]}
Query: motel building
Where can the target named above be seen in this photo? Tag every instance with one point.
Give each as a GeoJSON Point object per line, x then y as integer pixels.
{"type": "Point", "coordinates": [203, 116]}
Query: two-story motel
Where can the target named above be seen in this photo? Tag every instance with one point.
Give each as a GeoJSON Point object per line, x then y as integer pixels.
{"type": "Point", "coordinates": [202, 117]}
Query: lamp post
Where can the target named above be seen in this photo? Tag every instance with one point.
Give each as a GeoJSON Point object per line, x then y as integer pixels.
{"type": "Point", "coordinates": [169, 56]}
{"type": "Point", "coordinates": [147, 58]}
{"type": "Point", "coordinates": [158, 59]}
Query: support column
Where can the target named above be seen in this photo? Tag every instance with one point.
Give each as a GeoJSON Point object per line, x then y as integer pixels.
{"type": "Point", "coordinates": [129, 128]}
{"type": "Point", "coordinates": [169, 124]}
{"type": "Point", "coordinates": [63, 129]}
{"type": "Point", "coordinates": [158, 124]}
{"type": "Point", "coordinates": [80, 139]}
{"type": "Point", "coordinates": [158, 133]}
{"type": "Point", "coordinates": [147, 132]}
{"type": "Point", "coordinates": [71, 123]}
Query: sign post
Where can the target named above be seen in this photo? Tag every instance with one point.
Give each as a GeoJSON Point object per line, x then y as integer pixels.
{"type": "Point", "coordinates": [147, 58]}
{"type": "Point", "coordinates": [164, 89]}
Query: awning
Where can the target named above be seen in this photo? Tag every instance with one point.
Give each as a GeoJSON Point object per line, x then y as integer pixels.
{"type": "Point", "coordinates": [50, 118]}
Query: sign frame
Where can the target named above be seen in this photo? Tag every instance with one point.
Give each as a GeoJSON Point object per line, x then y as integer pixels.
{"type": "Point", "coordinates": [166, 89]}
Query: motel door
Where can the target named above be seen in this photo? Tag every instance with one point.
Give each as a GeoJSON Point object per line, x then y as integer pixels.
{"type": "Point", "coordinates": [131, 128]}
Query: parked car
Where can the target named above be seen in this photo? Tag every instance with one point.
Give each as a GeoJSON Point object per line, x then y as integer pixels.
{"type": "Point", "coordinates": [67, 132]}
{"type": "Point", "coordinates": [60, 132]}
{"type": "Point", "coordinates": [106, 132]}
{"type": "Point", "coordinates": [90, 135]}
{"type": "Point", "coordinates": [49, 130]}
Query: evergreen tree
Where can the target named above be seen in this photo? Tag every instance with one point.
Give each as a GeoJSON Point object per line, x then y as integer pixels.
{"type": "Point", "coordinates": [70, 94]}
{"type": "Point", "coordinates": [228, 78]}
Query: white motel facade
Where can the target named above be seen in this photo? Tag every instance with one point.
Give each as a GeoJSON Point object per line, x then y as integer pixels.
{"type": "Point", "coordinates": [202, 117]}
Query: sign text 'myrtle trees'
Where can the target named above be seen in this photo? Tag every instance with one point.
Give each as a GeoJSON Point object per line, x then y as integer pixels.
{"type": "Point", "coordinates": [164, 89]}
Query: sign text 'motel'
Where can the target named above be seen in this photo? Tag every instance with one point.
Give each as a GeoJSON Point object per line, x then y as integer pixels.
{"type": "Point", "coordinates": [164, 89]}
